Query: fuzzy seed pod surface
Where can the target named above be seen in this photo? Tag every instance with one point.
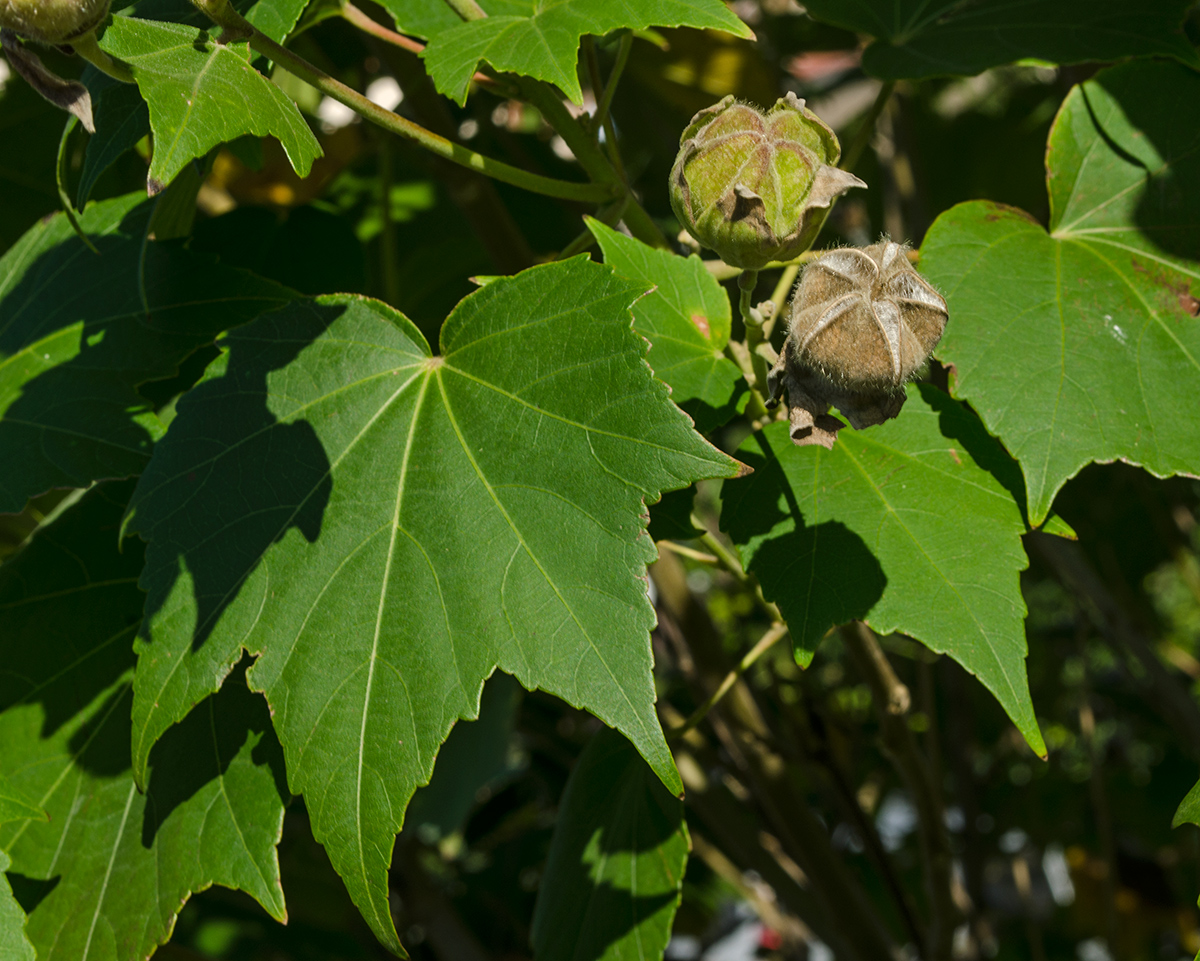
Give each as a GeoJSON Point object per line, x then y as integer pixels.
{"type": "Point", "coordinates": [754, 186]}
{"type": "Point", "coordinates": [863, 323]}
{"type": "Point", "coordinates": [52, 21]}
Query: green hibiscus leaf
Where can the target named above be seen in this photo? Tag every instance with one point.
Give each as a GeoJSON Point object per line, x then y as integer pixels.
{"type": "Point", "coordinates": [540, 38]}
{"type": "Point", "coordinates": [615, 870]}
{"type": "Point", "coordinates": [919, 38]}
{"type": "Point", "coordinates": [113, 866]}
{"type": "Point", "coordinates": [686, 319]}
{"type": "Point", "coordinates": [80, 331]}
{"type": "Point", "coordinates": [202, 93]}
{"type": "Point", "coordinates": [409, 523]}
{"type": "Point", "coordinates": [1082, 343]}
{"type": "Point", "coordinates": [121, 120]}
{"type": "Point", "coordinates": [874, 530]}
{"type": "Point", "coordinates": [15, 805]}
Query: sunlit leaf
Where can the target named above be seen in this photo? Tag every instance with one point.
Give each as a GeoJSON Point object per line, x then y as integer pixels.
{"type": "Point", "coordinates": [408, 523]}
{"type": "Point", "coordinates": [540, 38]}
{"type": "Point", "coordinates": [202, 93]}
{"type": "Point", "coordinates": [110, 869]}
{"type": "Point", "coordinates": [686, 318]}
{"type": "Point", "coordinates": [900, 525]}
{"type": "Point", "coordinates": [1083, 343]}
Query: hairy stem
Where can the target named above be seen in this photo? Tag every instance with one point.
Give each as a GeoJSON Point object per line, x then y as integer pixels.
{"type": "Point", "coordinates": [223, 14]}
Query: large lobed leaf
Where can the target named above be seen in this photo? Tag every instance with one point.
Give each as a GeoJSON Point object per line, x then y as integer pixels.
{"type": "Point", "coordinates": [384, 528]}
{"type": "Point", "coordinates": [202, 93]}
{"type": "Point", "coordinates": [686, 318]}
{"type": "Point", "coordinates": [540, 38]}
{"type": "Point", "coordinates": [931, 38]}
{"type": "Point", "coordinates": [1083, 343]}
{"type": "Point", "coordinates": [109, 870]}
{"type": "Point", "coordinates": [904, 526]}
{"type": "Point", "coordinates": [79, 331]}
{"type": "Point", "coordinates": [614, 874]}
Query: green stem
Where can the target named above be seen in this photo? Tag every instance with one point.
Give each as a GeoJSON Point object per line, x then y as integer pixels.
{"type": "Point", "coordinates": [774, 635]}
{"type": "Point", "coordinates": [591, 158]}
{"type": "Point", "coordinates": [755, 336]}
{"type": "Point", "coordinates": [779, 297]}
{"type": "Point", "coordinates": [862, 136]}
{"type": "Point", "coordinates": [60, 177]}
{"type": "Point", "coordinates": [221, 13]}
{"type": "Point", "coordinates": [610, 88]}
{"type": "Point", "coordinates": [467, 9]}
{"type": "Point", "coordinates": [87, 48]}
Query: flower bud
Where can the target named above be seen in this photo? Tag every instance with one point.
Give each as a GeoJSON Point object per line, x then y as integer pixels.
{"type": "Point", "coordinates": [863, 322]}
{"type": "Point", "coordinates": [756, 187]}
{"type": "Point", "coordinates": [52, 21]}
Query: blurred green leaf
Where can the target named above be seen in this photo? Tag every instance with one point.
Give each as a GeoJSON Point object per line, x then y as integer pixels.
{"type": "Point", "coordinates": [686, 318]}
{"type": "Point", "coordinates": [541, 39]}
{"type": "Point", "coordinates": [104, 877]}
{"type": "Point", "coordinates": [615, 870]}
{"type": "Point", "coordinates": [504, 481]}
{"type": "Point", "coordinates": [1082, 343]}
{"type": "Point", "coordinates": [919, 38]}
{"type": "Point", "coordinates": [79, 331]}
{"type": "Point", "coordinates": [202, 93]}
{"type": "Point", "coordinates": [900, 525]}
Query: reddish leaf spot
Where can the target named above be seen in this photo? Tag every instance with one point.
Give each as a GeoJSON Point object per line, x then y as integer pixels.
{"type": "Point", "coordinates": [957, 459]}
{"type": "Point", "coordinates": [701, 323]}
{"type": "Point", "coordinates": [1189, 304]}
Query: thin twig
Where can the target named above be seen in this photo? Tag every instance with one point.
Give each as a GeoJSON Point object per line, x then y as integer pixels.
{"type": "Point", "coordinates": [353, 15]}
{"type": "Point", "coordinates": [1169, 698]}
{"type": "Point", "coordinates": [698, 556]}
{"type": "Point", "coordinates": [779, 297]}
{"type": "Point", "coordinates": [866, 129]}
{"type": "Point", "coordinates": [222, 13]}
{"type": "Point", "coordinates": [892, 701]}
{"type": "Point", "coordinates": [773, 636]}
{"type": "Point", "coordinates": [610, 88]}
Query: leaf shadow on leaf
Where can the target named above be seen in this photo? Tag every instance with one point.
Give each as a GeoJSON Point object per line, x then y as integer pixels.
{"type": "Point", "coordinates": [59, 673]}
{"type": "Point", "coordinates": [624, 812]}
{"type": "Point", "coordinates": [1168, 207]}
{"type": "Point", "coordinates": [706, 417]}
{"type": "Point", "coordinates": [287, 478]}
{"type": "Point", "coordinates": [222, 722]}
{"type": "Point", "coordinates": [958, 422]}
{"type": "Point", "coordinates": [30, 892]}
{"type": "Point", "coordinates": [820, 575]}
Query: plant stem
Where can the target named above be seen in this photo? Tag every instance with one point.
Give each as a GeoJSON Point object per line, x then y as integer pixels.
{"type": "Point", "coordinates": [467, 9]}
{"type": "Point", "coordinates": [87, 48]}
{"type": "Point", "coordinates": [755, 337]}
{"type": "Point", "coordinates": [610, 88]}
{"type": "Point", "coordinates": [892, 701]}
{"type": "Point", "coordinates": [862, 136]}
{"type": "Point", "coordinates": [1170, 699]}
{"type": "Point", "coordinates": [774, 634]}
{"type": "Point", "coordinates": [223, 14]}
{"type": "Point", "coordinates": [698, 556]}
{"type": "Point", "coordinates": [597, 122]}
{"type": "Point", "coordinates": [779, 298]}
{"type": "Point", "coordinates": [353, 15]}
{"type": "Point", "coordinates": [591, 158]}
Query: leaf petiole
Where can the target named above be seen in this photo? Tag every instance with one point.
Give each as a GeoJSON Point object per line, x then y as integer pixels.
{"type": "Point", "coordinates": [223, 14]}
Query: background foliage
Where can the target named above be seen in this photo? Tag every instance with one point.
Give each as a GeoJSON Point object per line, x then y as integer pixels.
{"type": "Point", "coordinates": [322, 641]}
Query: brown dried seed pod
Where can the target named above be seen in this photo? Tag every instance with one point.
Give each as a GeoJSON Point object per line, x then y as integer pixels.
{"type": "Point", "coordinates": [863, 322]}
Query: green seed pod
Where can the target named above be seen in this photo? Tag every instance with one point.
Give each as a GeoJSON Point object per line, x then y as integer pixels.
{"type": "Point", "coordinates": [52, 21]}
{"type": "Point", "coordinates": [756, 187]}
{"type": "Point", "coordinates": [863, 323]}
